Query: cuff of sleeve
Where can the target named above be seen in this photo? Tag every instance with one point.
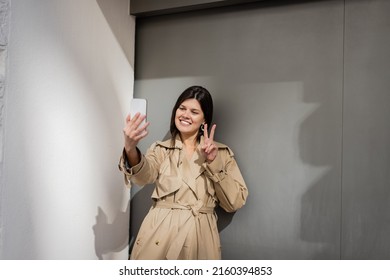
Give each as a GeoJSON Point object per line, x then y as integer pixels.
{"type": "Point", "coordinates": [125, 167]}
{"type": "Point", "coordinates": [214, 170]}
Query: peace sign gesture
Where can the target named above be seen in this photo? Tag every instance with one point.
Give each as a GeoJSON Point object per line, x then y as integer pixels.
{"type": "Point", "coordinates": [209, 149]}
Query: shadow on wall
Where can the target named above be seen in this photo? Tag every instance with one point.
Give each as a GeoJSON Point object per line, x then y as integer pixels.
{"type": "Point", "coordinates": [320, 204]}
{"type": "Point", "coordinates": [117, 14]}
{"type": "Point", "coordinates": [113, 237]}
{"type": "Point", "coordinates": [289, 108]}
{"type": "Point", "coordinates": [140, 204]}
{"type": "Point", "coordinates": [110, 237]}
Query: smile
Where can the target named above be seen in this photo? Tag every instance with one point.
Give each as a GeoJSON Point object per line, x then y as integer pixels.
{"type": "Point", "coordinates": [185, 122]}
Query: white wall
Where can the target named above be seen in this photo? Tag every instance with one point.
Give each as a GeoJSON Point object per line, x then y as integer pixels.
{"type": "Point", "coordinates": [70, 79]}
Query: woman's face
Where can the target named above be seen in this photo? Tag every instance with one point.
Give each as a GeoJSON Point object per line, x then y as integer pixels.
{"type": "Point", "coordinates": [189, 116]}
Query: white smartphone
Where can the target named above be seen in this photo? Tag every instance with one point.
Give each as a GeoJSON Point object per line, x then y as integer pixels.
{"type": "Point", "coordinates": [138, 105]}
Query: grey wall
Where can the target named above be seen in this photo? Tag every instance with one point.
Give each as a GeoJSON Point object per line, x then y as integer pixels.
{"type": "Point", "coordinates": [366, 147]}
{"type": "Point", "coordinates": [300, 94]}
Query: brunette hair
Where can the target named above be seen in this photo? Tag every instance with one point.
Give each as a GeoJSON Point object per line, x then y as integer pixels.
{"type": "Point", "coordinates": [206, 103]}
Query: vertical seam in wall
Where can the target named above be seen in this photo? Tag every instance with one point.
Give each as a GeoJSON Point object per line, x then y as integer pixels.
{"type": "Point", "coordinates": [342, 135]}
{"type": "Point", "coordinates": [4, 33]}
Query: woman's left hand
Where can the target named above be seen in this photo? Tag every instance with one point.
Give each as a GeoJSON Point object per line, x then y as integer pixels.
{"type": "Point", "coordinates": [209, 149]}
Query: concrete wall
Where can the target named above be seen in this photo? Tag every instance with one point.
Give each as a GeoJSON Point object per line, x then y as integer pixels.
{"type": "Point", "coordinates": [70, 79]}
{"type": "Point", "coordinates": [4, 33]}
{"type": "Point", "coordinates": [301, 94]}
{"type": "Point", "coordinates": [366, 145]}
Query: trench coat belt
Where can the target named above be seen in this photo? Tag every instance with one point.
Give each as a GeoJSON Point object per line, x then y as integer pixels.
{"type": "Point", "coordinates": [196, 208]}
{"type": "Point", "coordinates": [177, 245]}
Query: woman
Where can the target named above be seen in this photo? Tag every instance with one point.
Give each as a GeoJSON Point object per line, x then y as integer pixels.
{"type": "Point", "coordinates": [192, 174]}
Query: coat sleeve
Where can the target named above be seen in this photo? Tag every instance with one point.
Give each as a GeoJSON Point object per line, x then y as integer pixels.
{"type": "Point", "coordinates": [229, 184]}
{"type": "Point", "coordinates": [146, 171]}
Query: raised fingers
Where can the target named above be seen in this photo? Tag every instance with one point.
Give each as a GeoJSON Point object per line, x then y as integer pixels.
{"type": "Point", "coordinates": [138, 135]}
{"type": "Point", "coordinates": [133, 123]}
{"type": "Point", "coordinates": [128, 119]}
{"type": "Point", "coordinates": [141, 131]}
{"type": "Point", "coordinates": [205, 131]}
{"type": "Point", "coordinates": [210, 148]}
{"type": "Point", "coordinates": [137, 119]}
{"type": "Point", "coordinates": [212, 132]}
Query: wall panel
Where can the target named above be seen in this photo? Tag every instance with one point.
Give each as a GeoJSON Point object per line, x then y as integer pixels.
{"type": "Point", "coordinates": [366, 149]}
{"type": "Point", "coordinates": [276, 77]}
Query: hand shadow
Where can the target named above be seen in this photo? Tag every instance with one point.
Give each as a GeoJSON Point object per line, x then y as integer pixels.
{"type": "Point", "coordinates": [111, 237]}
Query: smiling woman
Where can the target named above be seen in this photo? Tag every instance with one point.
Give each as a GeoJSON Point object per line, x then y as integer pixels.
{"type": "Point", "coordinates": [189, 117]}
{"type": "Point", "coordinates": [192, 174]}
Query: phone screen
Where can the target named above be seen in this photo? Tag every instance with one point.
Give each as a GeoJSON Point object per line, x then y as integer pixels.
{"type": "Point", "coordinates": [138, 105]}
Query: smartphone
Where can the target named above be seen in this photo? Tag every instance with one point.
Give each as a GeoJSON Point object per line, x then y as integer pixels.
{"type": "Point", "coordinates": [138, 105]}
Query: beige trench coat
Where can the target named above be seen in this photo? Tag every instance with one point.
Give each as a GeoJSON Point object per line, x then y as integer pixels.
{"type": "Point", "coordinates": [181, 223]}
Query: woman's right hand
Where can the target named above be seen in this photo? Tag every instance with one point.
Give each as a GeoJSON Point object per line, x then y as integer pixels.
{"type": "Point", "coordinates": [134, 131]}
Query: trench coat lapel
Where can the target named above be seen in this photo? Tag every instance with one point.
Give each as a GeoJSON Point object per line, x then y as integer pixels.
{"type": "Point", "coordinates": [193, 168]}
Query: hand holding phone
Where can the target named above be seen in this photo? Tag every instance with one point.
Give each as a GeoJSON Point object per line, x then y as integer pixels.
{"type": "Point", "coordinates": [138, 105]}
{"type": "Point", "coordinates": [135, 129]}
{"type": "Point", "coordinates": [136, 124]}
